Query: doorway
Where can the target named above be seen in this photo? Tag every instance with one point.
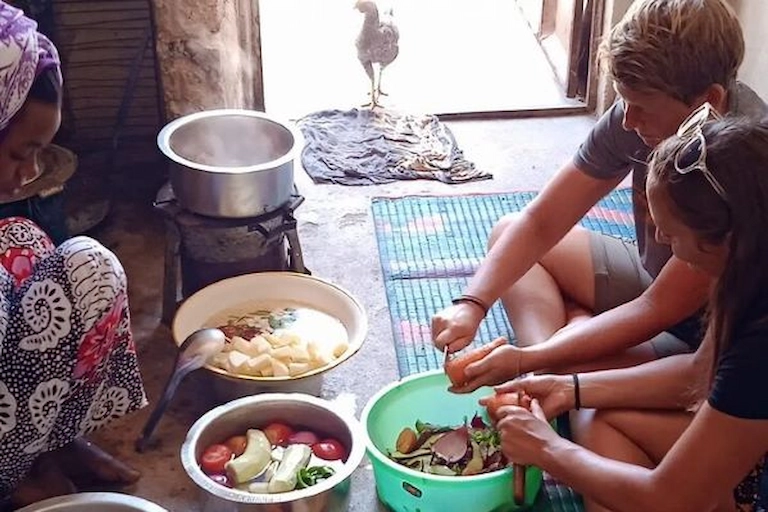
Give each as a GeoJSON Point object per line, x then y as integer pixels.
{"type": "Point", "coordinates": [464, 58]}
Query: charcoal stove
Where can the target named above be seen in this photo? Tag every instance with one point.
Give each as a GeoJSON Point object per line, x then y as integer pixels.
{"type": "Point", "coordinates": [201, 250]}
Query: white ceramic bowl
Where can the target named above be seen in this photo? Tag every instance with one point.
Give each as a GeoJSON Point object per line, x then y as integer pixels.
{"type": "Point", "coordinates": [311, 291]}
{"type": "Point", "coordinates": [94, 502]}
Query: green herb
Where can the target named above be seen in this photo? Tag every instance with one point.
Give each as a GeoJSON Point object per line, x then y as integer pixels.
{"type": "Point", "coordinates": [281, 319]}
{"type": "Point", "coordinates": [489, 437]}
{"type": "Point", "coordinates": [307, 477]}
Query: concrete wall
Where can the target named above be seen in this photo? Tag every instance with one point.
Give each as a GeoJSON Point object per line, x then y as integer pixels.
{"type": "Point", "coordinates": [208, 55]}
{"type": "Point", "coordinates": [754, 19]}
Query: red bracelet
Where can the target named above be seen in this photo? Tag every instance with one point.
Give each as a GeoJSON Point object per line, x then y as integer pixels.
{"type": "Point", "coordinates": [472, 300]}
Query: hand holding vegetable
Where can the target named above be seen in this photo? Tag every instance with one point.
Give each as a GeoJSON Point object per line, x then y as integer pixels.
{"type": "Point", "coordinates": [525, 435]}
{"type": "Point", "coordinates": [456, 326]}
{"type": "Point", "coordinates": [554, 393]}
{"type": "Point", "coordinates": [456, 367]}
{"type": "Point", "coordinates": [501, 363]}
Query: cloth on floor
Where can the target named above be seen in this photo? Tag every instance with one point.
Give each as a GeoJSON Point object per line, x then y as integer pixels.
{"type": "Point", "coordinates": [367, 147]}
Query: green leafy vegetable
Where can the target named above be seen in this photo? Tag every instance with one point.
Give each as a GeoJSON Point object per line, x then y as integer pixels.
{"type": "Point", "coordinates": [307, 477]}
{"type": "Point", "coordinates": [488, 437]}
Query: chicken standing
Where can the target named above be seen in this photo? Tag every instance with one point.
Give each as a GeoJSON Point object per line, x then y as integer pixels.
{"type": "Point", "coordinates": [376, 44]}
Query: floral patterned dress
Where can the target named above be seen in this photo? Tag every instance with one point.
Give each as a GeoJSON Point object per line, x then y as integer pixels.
{"type": "Point", "coordinates": [67, 359]}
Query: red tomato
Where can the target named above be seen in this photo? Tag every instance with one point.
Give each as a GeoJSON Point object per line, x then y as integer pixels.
{"type": "Point", "coordinates": [214, 457]}
{"type": "Point", "coordinates": [278, 433]}
{"type": "Point", "coordinates": [329, 449]}
{"type": "Point", "coordinates": [237, 444]}
{"type": "Point", "coordinates": [303, 437]}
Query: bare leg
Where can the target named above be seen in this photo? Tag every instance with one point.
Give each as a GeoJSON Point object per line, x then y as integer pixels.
{"type": "Point", "coordinates": [637, 437]}
{"type": "Point", "coordinates": [45, 480]}
{"type": "Point", "coordinates": [87, 464]}
{"type": "Point", "coordinates": [537, 303]}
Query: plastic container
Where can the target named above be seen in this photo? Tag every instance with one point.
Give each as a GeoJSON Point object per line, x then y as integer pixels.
{"type": "Point", "coordinates": [425, 397]}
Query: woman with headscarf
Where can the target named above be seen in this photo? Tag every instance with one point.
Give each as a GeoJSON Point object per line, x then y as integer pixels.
{"type": "Point", "coordinates": [67, 359]}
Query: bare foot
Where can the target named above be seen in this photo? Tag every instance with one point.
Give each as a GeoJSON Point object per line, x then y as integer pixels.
{"type": "Point", "coordinates": [45, 480]}
{"type": "Point", "coordinates": [86, 463]}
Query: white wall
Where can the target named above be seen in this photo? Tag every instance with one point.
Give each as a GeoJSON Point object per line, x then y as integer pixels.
{"type": "Point", "coordinates": [754, 19]}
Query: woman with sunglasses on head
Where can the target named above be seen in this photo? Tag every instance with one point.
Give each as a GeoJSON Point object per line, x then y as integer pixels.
{"type": "Point", "coordinates": [701, 444]}
{"type": "Point", "coordinates": [68, 362]}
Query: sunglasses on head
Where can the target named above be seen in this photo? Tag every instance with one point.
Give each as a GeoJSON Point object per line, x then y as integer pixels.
{"type": "Point", "coordinates": [692, 155]}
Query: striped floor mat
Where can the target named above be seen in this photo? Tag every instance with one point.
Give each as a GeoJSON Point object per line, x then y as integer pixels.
{"type": "Point", "coordinates": [429, 246]}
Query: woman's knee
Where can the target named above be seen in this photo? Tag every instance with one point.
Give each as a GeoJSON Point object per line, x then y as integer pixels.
{"type": "Point", "coordinates": [96, 276]}
{"type": "Point", "coordinates": [501, 226]}
{"type": "Point", "coordinates": [19, 232]}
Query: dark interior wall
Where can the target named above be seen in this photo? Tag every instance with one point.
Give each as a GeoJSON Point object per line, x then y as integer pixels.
{"type": "Point", "coordinates": [112, 110]}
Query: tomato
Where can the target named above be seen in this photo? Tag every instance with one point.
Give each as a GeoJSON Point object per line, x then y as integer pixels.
{"type": "Point", "coordinates": [329, 449]}
{"type": "Point", "coordinates": [237, 444]}
{"type": "Point", "coordinates": [221, 479]}
{"type": "Point", "coordinates": [455, 366]}
{"type": "Point", "coordinates": [278, 433]}
{"type": "Point", "coordinates": [304, 437]}
{"type": "Point", "coordinates": [494, 402]}
{"type": "Point", "coordinates": [214, 458]}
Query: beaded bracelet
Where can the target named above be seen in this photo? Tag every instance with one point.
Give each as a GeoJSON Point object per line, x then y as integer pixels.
{"type": "Point", "coordinates": [472, 300]}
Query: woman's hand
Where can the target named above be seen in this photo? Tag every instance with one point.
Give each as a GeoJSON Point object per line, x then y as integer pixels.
{"type": "Point", "coordinates": [524, 434]}
{"type": "Point", "coordinates": [554, 393]}
{"type": "Point", "coordinates": [456, 326]}
{"type": "Point", "coordinates": [503, 363]}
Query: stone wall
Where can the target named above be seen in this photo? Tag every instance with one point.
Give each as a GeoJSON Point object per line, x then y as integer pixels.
{"type": "Point", "coordinates": [208, 55]}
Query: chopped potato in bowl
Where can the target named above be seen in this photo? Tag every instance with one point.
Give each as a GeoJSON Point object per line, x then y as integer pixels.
{"type": "Point", "coordinates": [284, 341]}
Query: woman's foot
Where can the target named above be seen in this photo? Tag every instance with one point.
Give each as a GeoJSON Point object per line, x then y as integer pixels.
{"type": "Point", "coordinates": [87, 464]}
{"type": "Point", "coordinates": [45, 480]}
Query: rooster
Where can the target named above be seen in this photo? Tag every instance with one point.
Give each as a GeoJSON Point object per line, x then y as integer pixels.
{"type": "Point", "coordinates": [376, 44]}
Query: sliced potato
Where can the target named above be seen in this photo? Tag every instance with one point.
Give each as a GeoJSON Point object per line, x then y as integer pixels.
{"type": "Point", "coordinates": [298, 368]}
{"type": "Point", "coordinates": [236, 360]}
{"type": "Point", "coordinates": [340, 348]}
{"type": "Point", "coordinates": [244, 346]}
{"type": "Point", "coordinates": [261, 344]}
{"type": "Point", "coordinates": [279, 369]}
{"type": "Point", "coordinates": [258, 363]}
{"type": "Point", "coordinates": [283, 353]}
{"type": "Point", "coordinates": [276, 341]}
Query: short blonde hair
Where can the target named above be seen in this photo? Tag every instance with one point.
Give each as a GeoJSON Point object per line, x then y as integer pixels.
{"type": "Point", "coordinates": [678, 47]}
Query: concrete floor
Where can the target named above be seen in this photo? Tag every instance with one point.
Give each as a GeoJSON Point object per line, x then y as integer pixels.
{"type": "Point", "coordinates": [522, 154]}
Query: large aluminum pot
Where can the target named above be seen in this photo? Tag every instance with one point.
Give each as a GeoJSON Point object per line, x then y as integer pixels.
{"type": "Point", "coordinates": [235, 417]}
{"type": "Point", "coordinates": [94, 502]}
{"type": "Point", "coordinates": [231, 163]}
{"type": "Point", "coordinates": [265, 287]}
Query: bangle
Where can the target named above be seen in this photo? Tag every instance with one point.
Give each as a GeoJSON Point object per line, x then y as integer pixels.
{"type": "Point", "coordinates": [576, 392]}
{"type": "Point", "coordinates": [472, 300]}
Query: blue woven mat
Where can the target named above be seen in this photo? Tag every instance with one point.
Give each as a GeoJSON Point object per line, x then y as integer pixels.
{"type": "Point", "coordinates": [429, 246]}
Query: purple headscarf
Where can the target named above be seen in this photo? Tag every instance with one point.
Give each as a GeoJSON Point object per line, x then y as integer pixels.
{"type": "Point", "coordinates": [24, 54]}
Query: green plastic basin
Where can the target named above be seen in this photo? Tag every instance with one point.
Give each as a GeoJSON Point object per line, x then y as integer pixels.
{"type": "Point", "coordinates": [425, 397]}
